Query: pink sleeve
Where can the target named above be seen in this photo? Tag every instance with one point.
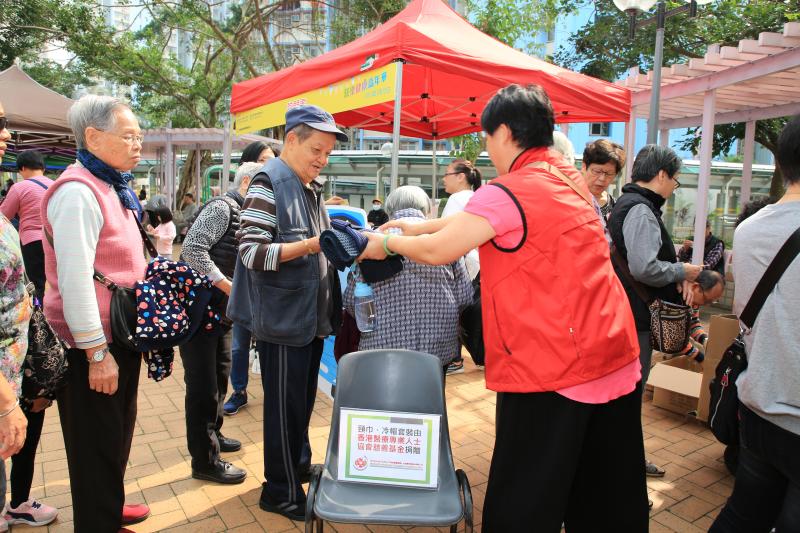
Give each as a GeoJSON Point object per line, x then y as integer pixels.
{"type": "Point", "coordinates": [495, 205]}
{"type": "Point", "coordinates": [10, 206]}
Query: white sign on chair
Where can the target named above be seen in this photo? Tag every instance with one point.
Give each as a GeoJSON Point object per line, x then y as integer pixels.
{"type": "Point", "coordinates": [389, 448]}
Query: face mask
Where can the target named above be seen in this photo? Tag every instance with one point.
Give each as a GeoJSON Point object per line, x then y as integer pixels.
{"type": "Point", "coordinates": [376, 207]}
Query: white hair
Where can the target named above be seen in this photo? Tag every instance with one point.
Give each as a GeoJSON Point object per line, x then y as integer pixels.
{"type": "Point", "coordinates": [562, 143]}
{"type": "Point", "coordinates": [408, 197]}
{"type": "Point", "coordinates": [93, 111]}
{"type": "Point", "coordinates": [246, 170]}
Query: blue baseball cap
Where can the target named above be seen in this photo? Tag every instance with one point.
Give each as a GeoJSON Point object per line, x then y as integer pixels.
{"type": "Point", "coordinates": [313, 117]}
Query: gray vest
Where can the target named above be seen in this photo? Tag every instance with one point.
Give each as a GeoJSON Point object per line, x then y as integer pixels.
{"type": "Point", "coordinates": [294, 304]}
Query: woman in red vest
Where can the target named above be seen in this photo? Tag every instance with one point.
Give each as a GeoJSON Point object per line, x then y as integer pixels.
{"type": "Point", "coordinates": [561, 348]}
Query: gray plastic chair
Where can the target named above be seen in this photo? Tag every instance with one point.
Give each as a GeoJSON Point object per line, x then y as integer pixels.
{"type": "Point", "coordinates": [389, 380]}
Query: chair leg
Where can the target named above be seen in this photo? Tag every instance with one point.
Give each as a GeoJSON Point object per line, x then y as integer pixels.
{"type": "Point", "coordinates": [320, 525]}
{"type": "Point", "coordinates": [466, 492]}
{"type": "Point", "coordinates": [311, 518]}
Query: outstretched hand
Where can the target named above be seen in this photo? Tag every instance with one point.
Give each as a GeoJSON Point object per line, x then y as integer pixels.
{"type": "Point", "coordinates": [374, 249]}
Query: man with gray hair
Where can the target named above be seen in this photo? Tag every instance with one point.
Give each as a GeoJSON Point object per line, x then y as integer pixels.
{"type": "Point", "coordinates": [90, 223]}
{"type": "Point", "coordinates": [211, 248]}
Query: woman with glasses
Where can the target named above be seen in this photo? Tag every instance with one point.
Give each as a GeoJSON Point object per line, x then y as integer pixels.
{"type": "Point", "coordinates": [642, 240]}
{"type": "Point", "coordinates": [602, 162]}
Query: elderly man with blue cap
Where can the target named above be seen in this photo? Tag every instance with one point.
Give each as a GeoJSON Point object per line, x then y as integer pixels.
{"type": "Point", "coordinates": [288, 295]}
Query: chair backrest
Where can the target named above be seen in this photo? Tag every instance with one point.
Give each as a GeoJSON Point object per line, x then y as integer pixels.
{"type": "Point", "coordinates": [389, 380]}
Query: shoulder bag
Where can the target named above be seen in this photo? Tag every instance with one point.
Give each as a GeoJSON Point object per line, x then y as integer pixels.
{"type": "Point", "coordinates": [45, 366]}
{"type": "Point", "coordinates": [723, 415]}
{"type": "Point", "coordinates": [669, 322]}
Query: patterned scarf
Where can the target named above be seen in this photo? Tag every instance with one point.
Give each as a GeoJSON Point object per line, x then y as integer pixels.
{"type": "Point", "coordinates": [118, 180]}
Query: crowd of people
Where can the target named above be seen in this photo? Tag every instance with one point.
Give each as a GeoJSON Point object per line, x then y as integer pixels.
{"type": "Point", "coordinates": [563, 266]}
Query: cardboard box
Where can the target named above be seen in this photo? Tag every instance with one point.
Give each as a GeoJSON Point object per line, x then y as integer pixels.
{"type": "Point", "coordinates": [676, 385]}
{"type": "Point", "coordinates": [721, 332]}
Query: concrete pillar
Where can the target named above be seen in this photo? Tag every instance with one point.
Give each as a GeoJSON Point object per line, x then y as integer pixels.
{"type": "Point", "coordinates": [704, 179]}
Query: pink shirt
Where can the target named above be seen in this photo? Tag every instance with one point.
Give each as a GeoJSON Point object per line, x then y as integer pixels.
{"type": "Point", "coordinates": [497, 207]}
{"type": "Point", "coordinates": [24, 199]}
{"type": "Point", "coordinates": [165, 234]}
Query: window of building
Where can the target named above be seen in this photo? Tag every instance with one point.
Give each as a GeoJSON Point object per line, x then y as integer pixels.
{"type": "Point", "coordinates": [601, 129]}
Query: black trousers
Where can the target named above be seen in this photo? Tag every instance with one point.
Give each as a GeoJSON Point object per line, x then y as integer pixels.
{"type": "Point", "coordinates": [33, 257]}
{"type": "Point", "coordinates": [22, 462]}
{"type": "Point", "coordinates": [98, 430]}
{"type": "Point", "coordinates": [206, 367]}
{"type": "Point", "coordinates": [766, 493]}
{"type": "Point", "coordinates": [289, 376]}
{"type": "Point", "coordinates": [549, 456]}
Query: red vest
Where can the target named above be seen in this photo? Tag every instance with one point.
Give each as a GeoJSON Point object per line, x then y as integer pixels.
{"type": "Point", "coordinates": [554, 313]}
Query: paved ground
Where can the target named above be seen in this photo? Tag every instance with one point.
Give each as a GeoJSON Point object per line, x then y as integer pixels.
{"type": "Point", "coordinates": [686, 500]}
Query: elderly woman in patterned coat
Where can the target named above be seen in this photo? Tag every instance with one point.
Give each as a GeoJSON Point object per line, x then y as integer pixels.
{"type": "Point", "coordinates": [418, 308]}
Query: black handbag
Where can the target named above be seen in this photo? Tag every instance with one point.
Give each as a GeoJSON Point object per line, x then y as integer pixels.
{"type": "Point", "coordinates": [723, 412]}
{"type": "Point", "coordinates": [45, 366]}
{"type": "Point", "coordinates": [669, 322]}
{"type": "Point", "coordinates": [470, 331]}
{"type": "Point", "coordinates": [123, 313]}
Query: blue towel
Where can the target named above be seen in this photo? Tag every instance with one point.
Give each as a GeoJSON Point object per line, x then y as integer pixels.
{"type": "Point", "coordinates": [342, 244]}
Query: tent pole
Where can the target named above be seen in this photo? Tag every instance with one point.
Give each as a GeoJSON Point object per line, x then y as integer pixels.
{"type": "Point", "coordinates": [398, 101]}
{"type": "Point", "coordinates": [703, 180]}
{"type": "Point", "coordinates": [226, 156]}
{"type": "Point", "coordinates": [434, 172]}
{"type": "Point", "coordinates": [630, 131]}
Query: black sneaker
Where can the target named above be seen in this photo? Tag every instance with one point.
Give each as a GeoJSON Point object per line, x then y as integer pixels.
{"type": "Point", "coordinates": [292, 511]}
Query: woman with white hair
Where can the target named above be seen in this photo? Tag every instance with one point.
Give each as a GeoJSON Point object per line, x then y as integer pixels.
{"type": "Point", "coordinates": [418, 308]}
{"type": "Point", "coordinates": [211, 248]}
{"type": "Point", "coordinates": [90, 223]}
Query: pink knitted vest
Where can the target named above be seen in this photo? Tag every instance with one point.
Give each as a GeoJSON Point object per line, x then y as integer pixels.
{"type": "Point", "coordinates": [119, 251]}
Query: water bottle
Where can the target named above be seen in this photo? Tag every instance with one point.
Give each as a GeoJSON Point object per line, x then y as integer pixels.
{"type": "Point", "coordinates": [365, 307]}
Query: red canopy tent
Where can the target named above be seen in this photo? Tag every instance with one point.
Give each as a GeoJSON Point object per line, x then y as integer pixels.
{"type": "Point", "coordinates": [450, 70]}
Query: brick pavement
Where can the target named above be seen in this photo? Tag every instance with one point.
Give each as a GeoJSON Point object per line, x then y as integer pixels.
{"type": "Point", "coordinates": [686, 500]}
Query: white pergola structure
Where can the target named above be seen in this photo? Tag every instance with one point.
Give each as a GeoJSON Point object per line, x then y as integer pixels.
{"type": "Point", "coordinates": [758, 80]}
{"type": "Point", "coordinates": [161, 144]}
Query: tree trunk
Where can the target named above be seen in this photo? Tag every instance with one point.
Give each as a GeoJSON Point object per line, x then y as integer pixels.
{"type": "Point", "coordinates": [188, 182]}
{"type": "Point", "coordinates": [776, 188]}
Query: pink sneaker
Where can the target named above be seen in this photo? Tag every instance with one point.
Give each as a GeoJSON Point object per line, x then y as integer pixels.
{"type": "Point", "coordinates": [31, 512]}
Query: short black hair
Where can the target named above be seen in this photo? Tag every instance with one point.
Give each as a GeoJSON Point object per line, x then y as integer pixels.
{"type": "Point", "coordinates": [526, 111]}
{"type": "Point", "coordinates": [30, 159]}
{"type": "Point", "coordinates": [708, 279]}
{"type": "Point", "coordinates": [651, 160]}
{"type": "Point", "coordinates": [604, 151]}
{"type": "Point", "coordinates": [190, 195]}
{"type": "Point", "coordinates": [787, 154]}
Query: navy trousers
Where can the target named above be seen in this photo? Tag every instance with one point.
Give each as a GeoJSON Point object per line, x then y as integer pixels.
{"type": "Point", "coordinates": [289, 376]}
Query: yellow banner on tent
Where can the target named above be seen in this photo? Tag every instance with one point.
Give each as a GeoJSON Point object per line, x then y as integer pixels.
{"type": "Point", "coordinates": [370, 88]}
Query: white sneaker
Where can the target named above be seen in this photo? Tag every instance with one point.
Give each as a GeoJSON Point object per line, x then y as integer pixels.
{"type": "Point", "coordinates": [31, 512]}
{"type": "Point", "coordinates": [3, 525]}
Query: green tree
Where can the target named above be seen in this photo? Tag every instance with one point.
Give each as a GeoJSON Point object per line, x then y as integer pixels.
{"type": "Point", "coordinates": [603, 49]}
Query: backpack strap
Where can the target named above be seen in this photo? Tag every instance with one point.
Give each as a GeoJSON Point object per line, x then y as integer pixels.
{"type": "Point", "coordinates": [39, 183]}
{"type": "Point", "coordinates": [771, 276]}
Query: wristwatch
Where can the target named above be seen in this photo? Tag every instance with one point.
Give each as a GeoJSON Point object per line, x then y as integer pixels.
{"type": "Point", "coordinates": [98, 355]}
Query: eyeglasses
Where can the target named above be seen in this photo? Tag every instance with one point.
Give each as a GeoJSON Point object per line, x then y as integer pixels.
{"type": "Point", "coordinates": [597, 173]}
{"type": "Point", "coordinates": [3, 123]}
{"type": "Point", "coordinates": [451, 173]}
{"type": "Point", "coordinates": [127, 138]}
{"type": "Point", "coordinates": [130, 139]}
{"type": "Point", "coordinates": [677, 183]}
